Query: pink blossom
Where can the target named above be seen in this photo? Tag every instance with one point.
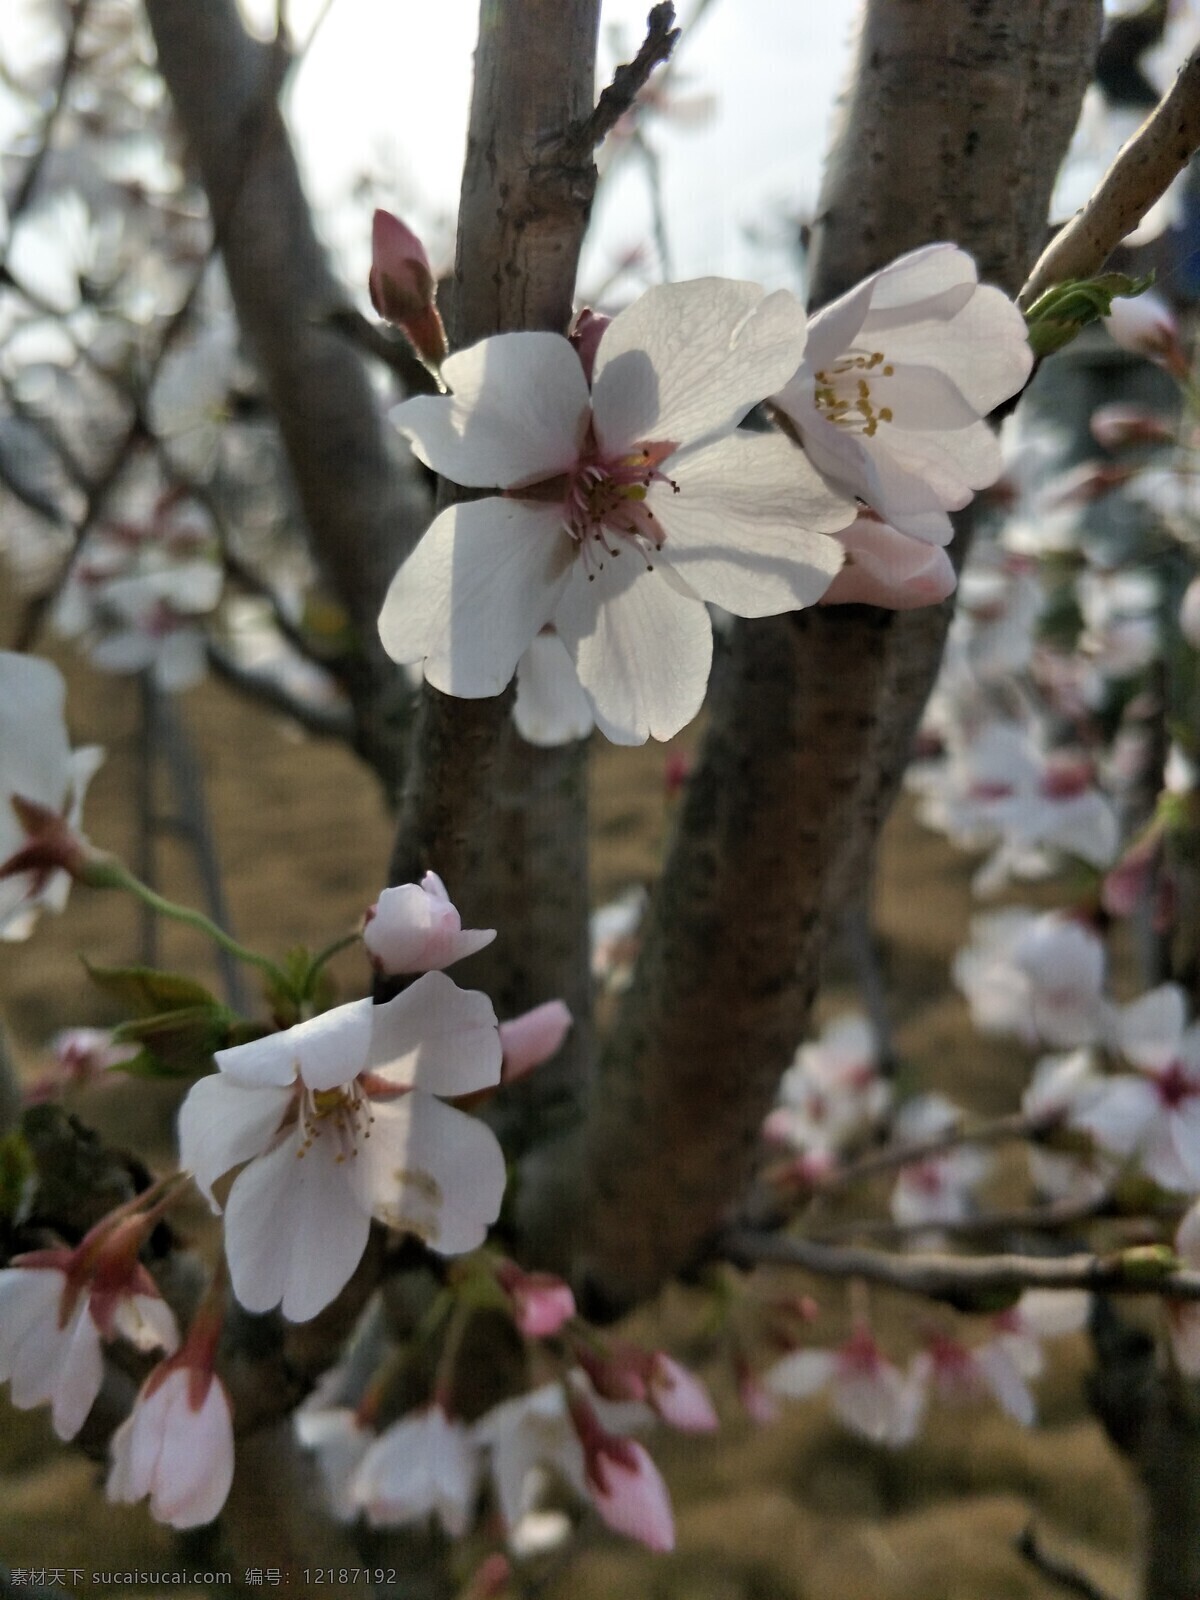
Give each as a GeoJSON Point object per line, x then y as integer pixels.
{"type": "Point", "coordinates": [679, 1397]}
{"type": "Point", "coordinates": [1121, 423]}
{"type": "Point", "coordinates": [415, 928]}
{"type": "Point", "coordinates": [532, 1038]}
{"type": "Point", "coordinates": [424, 1465]}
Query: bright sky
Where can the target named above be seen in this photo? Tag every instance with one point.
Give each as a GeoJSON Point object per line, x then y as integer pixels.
{"type": "Point", "coordinates": [387, 84]}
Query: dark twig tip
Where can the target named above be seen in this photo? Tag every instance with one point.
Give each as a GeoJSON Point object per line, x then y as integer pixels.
{"type": "Point", "coordinates": [628, 82]}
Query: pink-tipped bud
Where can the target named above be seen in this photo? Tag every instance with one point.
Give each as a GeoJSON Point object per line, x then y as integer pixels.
{"type": "Point", "coordinates": [679, 1397]}
{"type": "Point", "coordinates": [1119, 424]}
{"type": "Point", "coordinates": [1146, 325]}
{"type": "Point", "coordinates": [401, 285]}
{"type": "Point", "coordinates": [541, 1303]}
{"type": "Point", "coordinates": [625, 1486]}
{"type": "Point", "coordinates": [586, 333]}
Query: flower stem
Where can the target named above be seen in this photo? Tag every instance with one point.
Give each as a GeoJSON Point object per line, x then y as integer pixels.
{"type": "Point", "coordinates": [107, 872]}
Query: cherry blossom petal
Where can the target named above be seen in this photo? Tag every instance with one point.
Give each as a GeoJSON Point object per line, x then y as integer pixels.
{"type": "Point", "coordinates": [802, 1373]}
{"type": "Point", "coordinates": [295, 1228]}
{"type": "Point", "coordinates": [533, 1037]}
{"type": "Point", "coordinates": [732, 531]}
{"type": "Point", "coordinates": [551, 707]}
{"type": "Point", "coordinates": [434, 1171]}
{"type": "Point", "coordinates": [516, 415]}
{"type": "Point", "coordinates": [1120, 1114]}
{"type": "Point", "coordinates": [77, 1376]}
{"type": "Point", "coordinates": [642, 650]}
{"type": "Point", "coordinates": [222, 1124]}
{"type": "Point", "coordinates": [983, 349]}
{"type": "Point", "coordinates": [887, 568]}
{"type": "Point", "coordinates": [476, 592]}
{"type": "Point", "coordinates": [436, 1037]}
{"type": "Point", "coordinates": [326, 1050]}
{"type": "Point", "coordinates": [902, 498]}
{"type": "Point", "coordinates": [686, 360]}
{"type": "Point", "coordinates": [1011, 1392]}
{"type": "Point", "coordinates": [1149, 1029]}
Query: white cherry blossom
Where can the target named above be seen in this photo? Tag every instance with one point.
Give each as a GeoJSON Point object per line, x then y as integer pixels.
{"type": "Point", "coordinates": [624, 506]}
{"type": "Point", "coordinates": [425, 1465]}
{"type": "Point", "coordinates": [415, 928]}
{"type": "Point", "coordinates": [176, 1446]}
{"type": "Point", "coordinates": [833, 1092]}
{"type": "Point", "coordinates": [1155, 1116]}
{"type": "Point", "coordinates": [869, 1393]}
{"type": "Point", "coordinates": [54, 1315]}
{"type": "Point", "coordinates": [338, 1122]}
{"type": "Point", "coordinates": [896, 380]}
{"type": "Point", "coordinates": [37, 765]}
{"type": "Point", "coordinates": [1063, 1087]}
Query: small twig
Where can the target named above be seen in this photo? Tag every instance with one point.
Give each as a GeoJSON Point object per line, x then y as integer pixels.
{"type": "Point", "coordinates": [1017, 1125]}
{"type": "Point", "coordinates": [628, 82]}
{"type": "Point", "coordinates": [1061, 1572]}
{"type": "Point", "coordinates": [1141, 173]}
{"type": "Point", "coordinates": [325, 722]}
{"type": "Point", "coordinates": [1027, 1219]}
{"type": "Point", "coordinates": [947, 1277]}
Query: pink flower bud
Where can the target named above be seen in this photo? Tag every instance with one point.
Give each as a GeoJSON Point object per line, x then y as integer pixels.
{"type": "Point", "coordinates": [492, 1578]}
{"type": "Point", "coordinates": [677, 769]}
{"type": "Point", "coordinates": [541, 1302]}
{"type": "Point", "coordinates": [887, 568]}
{"type": "Point", "coordinates": [532, 1038]}
{"type": "Point", "coordinates": [679, 1397]}
{"type": "Point", "coordinates": [625, 1486]}
{"type": "Point", "coordinates": [402, 286]}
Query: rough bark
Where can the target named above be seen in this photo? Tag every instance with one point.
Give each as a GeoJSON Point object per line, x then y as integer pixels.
{"type": "Point", "coordinates": [363, 507]}
{"type": "Point", "coordinates": [503, 823]}
{"type": "Point", "coordinates": [958, 116]}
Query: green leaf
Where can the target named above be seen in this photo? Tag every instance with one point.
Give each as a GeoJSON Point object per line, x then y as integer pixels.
{"type": "Point", "coordinates": [179, 1043]}
{"type": "Point", "coordinates": [1058, 315]}
{"type": "Point", "coordinates": [145, 991]}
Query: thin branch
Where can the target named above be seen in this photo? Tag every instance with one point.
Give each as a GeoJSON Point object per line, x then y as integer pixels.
{"type": "Point", "coordinates": [1021, 1219]}
{"type": "Point", "coordinates": [1142, 172]}
{"type": "Point", "coordinates": [1016, 1125]}
{"type": "Point", "coordinates": [325, 722]}
{"type": "Point", "coordinates": [97, 490]}
{"type": "Point", "coordinates": [628, 82]}
{"type": "Point", "coordinates": [959, 1278]}
{"type": "Point", "coordinates": [1058, 1571]}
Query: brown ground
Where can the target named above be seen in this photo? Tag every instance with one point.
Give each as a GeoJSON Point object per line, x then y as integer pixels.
{"type": "Point", "coordinates": [797, 1512]}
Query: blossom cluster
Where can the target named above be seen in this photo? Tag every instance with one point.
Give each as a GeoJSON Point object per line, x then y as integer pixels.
{"type": "Point", "coordinates": [624, 441]}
